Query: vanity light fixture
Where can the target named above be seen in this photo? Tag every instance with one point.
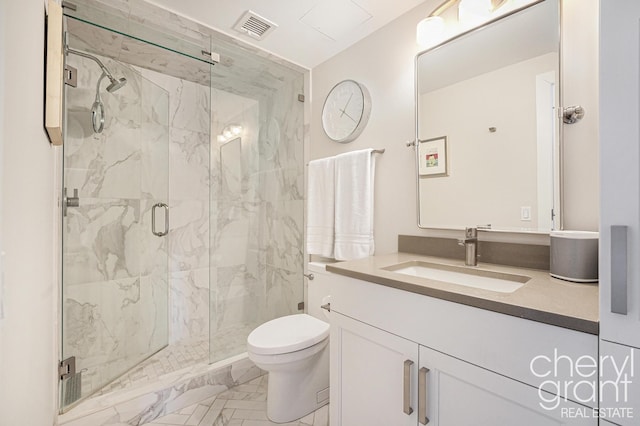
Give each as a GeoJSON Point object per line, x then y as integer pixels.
{"type": "Point", "coordinates": [431, 30]}
{"type": "Point", "coordinates": [230, 132]}
{"type": "Point", "coordinates": [474, 12]}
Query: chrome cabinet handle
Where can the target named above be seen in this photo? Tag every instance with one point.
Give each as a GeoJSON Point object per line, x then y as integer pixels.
{"type": "Point", "coordinates": [166, 220]}
{"type": "Point", "coordinates": [619, 270]}
{"type": "Point", "coordinates": [406, 396]}
{"type": "Point", "coordinates": [422, 399]}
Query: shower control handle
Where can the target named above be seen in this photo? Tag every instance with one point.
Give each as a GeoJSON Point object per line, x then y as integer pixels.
{"type": "Point", "coordinates": [166, 220]}
{"type": "Point", "coordinates": [70, 201]}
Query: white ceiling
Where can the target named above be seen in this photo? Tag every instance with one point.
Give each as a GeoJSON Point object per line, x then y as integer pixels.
{"type": "Point", "coordinates": [309, 31]}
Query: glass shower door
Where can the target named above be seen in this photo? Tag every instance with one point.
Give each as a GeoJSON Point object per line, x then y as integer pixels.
{"type": "Point", "coordinates": [114, 281]}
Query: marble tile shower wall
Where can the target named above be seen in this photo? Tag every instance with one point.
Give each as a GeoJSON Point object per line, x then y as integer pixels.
{"type": "Point", "coordinates": [281, 185]}
{"type": "Point", "coordinates": [236, 293]}
{"type": "Point", "coordinates": [257, 200]}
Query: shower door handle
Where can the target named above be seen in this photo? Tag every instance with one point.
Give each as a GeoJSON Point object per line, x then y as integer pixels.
{"type": "Point", "coordinates": [166, 220]}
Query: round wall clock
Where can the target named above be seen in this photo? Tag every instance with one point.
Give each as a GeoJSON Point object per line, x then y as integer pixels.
{"type": "Point", "coordinates": [346, 111]}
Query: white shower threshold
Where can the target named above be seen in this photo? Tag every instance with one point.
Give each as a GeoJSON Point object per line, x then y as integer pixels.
{"type": "Point", "coordinates": [140, 402]}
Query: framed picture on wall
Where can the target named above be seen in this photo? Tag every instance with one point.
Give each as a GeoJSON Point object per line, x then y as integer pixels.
{"type": "Point", "coordinates": [432, 157]}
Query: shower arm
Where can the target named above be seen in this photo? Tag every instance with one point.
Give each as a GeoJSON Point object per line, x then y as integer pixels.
{"type": "Point", "coordinates": [103, 75]}
{"type": "Point", "coordinates": [86, 55]}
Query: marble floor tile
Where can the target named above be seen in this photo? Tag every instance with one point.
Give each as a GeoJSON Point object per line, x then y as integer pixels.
{"type": "Point", "coordinates": [172, 358]}
{"type": "Point", "coordinates": [186, 354]}
{"type": "Point", "coordinates": [243, 405]}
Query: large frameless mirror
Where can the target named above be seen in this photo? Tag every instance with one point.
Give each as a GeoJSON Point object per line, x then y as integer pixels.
{"type": "Point", "coordinates": [487, 145]}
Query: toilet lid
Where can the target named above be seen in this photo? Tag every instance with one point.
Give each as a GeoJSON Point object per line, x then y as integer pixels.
{"type": "Point", "coordinates": [287, 334]}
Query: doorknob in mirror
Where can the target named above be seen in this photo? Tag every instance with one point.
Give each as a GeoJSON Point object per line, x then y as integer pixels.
{"type": "Point", "coordinates": [572, 114]}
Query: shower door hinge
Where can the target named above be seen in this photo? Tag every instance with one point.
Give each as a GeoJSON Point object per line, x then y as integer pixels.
{"type": "Point", "coordinates": [70, 76]}
{"type": "Point", "coordinates": [211, 56]}
{"type": "Point", "coordinates": [71, 382]}
{"type": "Point", "coordinates": [300, 98]}
{"type": "Point", "coordinates": [301, 306]}
{"type": "Point", "coordinates": [67, 368]}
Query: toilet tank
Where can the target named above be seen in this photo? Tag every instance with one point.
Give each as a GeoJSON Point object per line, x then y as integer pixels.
{"type": "Point", "coordinates": [318, 290]}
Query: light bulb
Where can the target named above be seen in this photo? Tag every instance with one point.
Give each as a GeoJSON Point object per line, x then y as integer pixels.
{"type": "Point", "coordinates": [227, 133]}
{"type": "Point", "coordinates": [430, 31]}
{"type": "Point", "coordinates": [221, 139]}
{"type": "Point", "coordinates": [236, 129]}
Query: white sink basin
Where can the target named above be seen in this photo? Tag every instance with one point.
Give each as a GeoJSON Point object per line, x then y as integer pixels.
{"type": "Point", "coordinates": [467, 276]}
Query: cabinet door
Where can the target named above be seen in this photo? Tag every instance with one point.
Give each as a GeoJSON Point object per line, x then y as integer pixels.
{"type": "Point", "coordinates": [462, 394]}
{"type": "Point", "coordinates": [368, 368]}
{"type": "Point", "coordinates": [620, 170]}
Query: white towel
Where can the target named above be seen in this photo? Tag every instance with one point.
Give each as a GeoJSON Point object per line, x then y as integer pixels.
{"type": "Point", "coordinates": [354, 205]}
{"type": "Point", "coordinates": [321, 207]}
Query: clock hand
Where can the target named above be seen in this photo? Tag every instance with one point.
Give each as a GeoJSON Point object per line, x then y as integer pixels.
{"type": "Point", "coordinates": [346, 105]}
{"type": "Point", "coordinates": [345, 113]}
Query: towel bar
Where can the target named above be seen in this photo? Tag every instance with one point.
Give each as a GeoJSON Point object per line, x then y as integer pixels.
{"type": "Point", "coordinates": [375, 151]}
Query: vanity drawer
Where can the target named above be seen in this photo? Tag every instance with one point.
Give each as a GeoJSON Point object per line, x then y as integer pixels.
{"type": "Point", "coordinates": [501, 343]}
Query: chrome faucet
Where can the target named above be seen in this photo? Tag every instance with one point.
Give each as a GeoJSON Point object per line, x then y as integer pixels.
{"type": "Point", "coordinates": [470, 243]}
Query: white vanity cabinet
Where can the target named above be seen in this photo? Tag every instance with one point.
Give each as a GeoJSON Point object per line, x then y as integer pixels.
{"type": "Point", "coordinates": [462, 394]}
{"type": "Point", "coordinates": [398, 358]}
{"type": "Point", "coordinates": [368, 375]}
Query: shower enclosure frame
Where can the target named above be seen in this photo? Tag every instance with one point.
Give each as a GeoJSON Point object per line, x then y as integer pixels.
{"type": "Point", "coordinates": [273, 153]}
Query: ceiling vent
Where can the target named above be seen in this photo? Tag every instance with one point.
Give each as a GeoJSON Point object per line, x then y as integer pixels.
{"type": "Point", "coordinates": [254, 25]}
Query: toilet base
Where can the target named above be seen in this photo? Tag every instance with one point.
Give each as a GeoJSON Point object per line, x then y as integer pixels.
{"type": "Point", "coordinates": [292, 395]}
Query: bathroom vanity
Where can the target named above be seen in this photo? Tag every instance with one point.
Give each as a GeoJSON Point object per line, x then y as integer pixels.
{"type": "Point", "coordinates": [409, 350]}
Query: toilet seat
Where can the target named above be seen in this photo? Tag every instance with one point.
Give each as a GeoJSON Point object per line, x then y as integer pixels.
{"type": "Point", "coordinates": [287, 334]}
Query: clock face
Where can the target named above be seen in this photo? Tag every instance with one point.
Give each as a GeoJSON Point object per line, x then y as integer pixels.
{"type": "Point", "coordinates": [346, 111]}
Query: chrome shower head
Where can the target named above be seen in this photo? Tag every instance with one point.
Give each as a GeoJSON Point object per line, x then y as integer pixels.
{"type": "Point", "coordinates": [116, 84]}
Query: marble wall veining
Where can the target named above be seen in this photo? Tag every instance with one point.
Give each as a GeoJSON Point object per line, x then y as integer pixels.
{"type": "Point", "coordinates": [257, 207]}
{"type": "Point", "coordinates": [282, 197]}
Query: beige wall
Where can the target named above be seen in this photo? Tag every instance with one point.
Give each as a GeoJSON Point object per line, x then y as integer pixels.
{"type": "Point", "coordinates": [384, 63]}
{"type": "Point", "coordinates": [580, 87]}
{"type": "Point", "coordinates": [28, 330]}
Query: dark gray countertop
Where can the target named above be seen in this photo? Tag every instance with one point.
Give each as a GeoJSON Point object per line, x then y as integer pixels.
{"type": "Point", "coordinates": [542, 298]}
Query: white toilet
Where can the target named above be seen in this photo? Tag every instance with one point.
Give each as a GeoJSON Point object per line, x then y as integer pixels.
{"type": "Point", "coordinates": [294, 350]}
